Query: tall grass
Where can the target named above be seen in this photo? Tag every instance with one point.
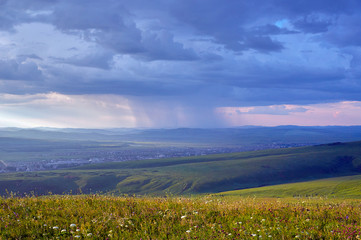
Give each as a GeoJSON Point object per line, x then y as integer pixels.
{"type": "Point", "coordinates": [109, 217]}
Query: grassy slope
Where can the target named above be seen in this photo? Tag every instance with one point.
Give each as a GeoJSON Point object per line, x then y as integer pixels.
{"type": "Point", "coordinates": [340, 187]}
{"type": "Point", "coordinates": [207, 217]}
{"type": "Point", "coordinates": [205, 174]}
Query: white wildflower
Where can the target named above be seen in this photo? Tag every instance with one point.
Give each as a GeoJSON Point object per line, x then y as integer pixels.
{"type": "Point", "coordinates": [72, 225]}
{"type": "Point", "coordinates": [188, 231]}
{"type": "Point", "coordinates": [184, 216]}
{"type": "Point", "coordinates": [56, 227]}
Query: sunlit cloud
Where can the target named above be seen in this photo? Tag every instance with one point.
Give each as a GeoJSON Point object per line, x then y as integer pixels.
{"type": "Point", "coordinates": [59, 110]}
{"type": "Point", "coordinates": [340, 113]}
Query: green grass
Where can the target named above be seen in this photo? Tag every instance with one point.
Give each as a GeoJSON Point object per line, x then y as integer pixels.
{"type": "Point", "coordinates": [204, 174]}
{"type": "Point", "coordinates": [341, 187]}
{"type": "Point", "coordinates": [109, 217]}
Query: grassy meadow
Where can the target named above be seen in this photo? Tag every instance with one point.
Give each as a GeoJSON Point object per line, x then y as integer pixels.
{"type": "Point", "coordinates": [340, 187]}
{"type": "Point", "coordinates": [194, 175]}
{"type": "Point", "coordinates": [203, 217]}
{"type": "Point", "coordinates": [177, 198]}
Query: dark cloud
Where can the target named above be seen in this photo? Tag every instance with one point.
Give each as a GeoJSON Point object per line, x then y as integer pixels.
{"type": "Point", "coordinates": [87, 15]}
{"type": "Point", "coordinates": [198, 53]}
{"type": "Point", "coordinates": [14, 70]}
{"type": "Point", "coordinates": [271, 29]}
{"type": "Point", "coordinates": [262, 44]}
{"type": "Point", "coordinates": [226, 23]}
{"type": "Point", "coordinates": [102, 60]}
{"type": "Point", "coordinates": [301, 7]}
{"type": "Point", "coordinates": [29, 56]}
{"type": "Point", "coordinates": [346, 32]}
{"type": "Point", "coordinates": [161, 46]}
{"type": "Point", "coordinates": [312, 24]}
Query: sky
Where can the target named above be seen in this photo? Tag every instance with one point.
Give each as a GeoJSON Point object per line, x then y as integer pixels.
{"type": "Point", "coordinates": [179, 63]}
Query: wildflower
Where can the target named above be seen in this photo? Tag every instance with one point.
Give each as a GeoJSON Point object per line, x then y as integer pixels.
{"type": "Point", "coordinates": [56, 227]}
{"type": "Point", "coordinates": [72, 225]}
{"type": "Point", "coordinates": [297, 236]}
{"type": "Point", "coordinates": [78, 230]}
{"type": "Point", "coordinates": [77, 236]}
{"type": "Point", "coordinates": [229, 234]}
{"type": "Point", "coordinates": [188, 231]}
{"type": "Point", "coordinates": [263, 220]}
{"type": "Point", "coordinates": [307, 220]}
{"type": "Point", "coordinates": [89, 235]}
{"type": "Point", "coordinates": [269, 236]}
{"type": "Point", "coordinates": [63, 231]}
{"type": "Point", "coordinates": [184, 216]}
{"type": "Point", "coordinates": [254, 235]}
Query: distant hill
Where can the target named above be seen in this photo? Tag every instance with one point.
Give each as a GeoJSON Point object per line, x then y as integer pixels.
{"type": "Point", "coordinates": [340, 187]}
{"type": "Point", "coordinates": [192, 175]}
{"type": "Point", "coordinates": [225, 136]}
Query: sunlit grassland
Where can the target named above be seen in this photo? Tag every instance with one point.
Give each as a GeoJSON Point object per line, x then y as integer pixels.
{"type": "Point", "coordinates": [194, 175]}
{"type": "Point", "coordinates": [340, 187]}
{"type": "Point", "coordinates": [205, 217]}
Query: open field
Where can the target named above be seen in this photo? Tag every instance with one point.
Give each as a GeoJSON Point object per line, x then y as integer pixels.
{"type": "Point", "coordinates": [341, 187]}
{"type": "Point", "coordinates": [20, 145]}
{"type": "Point", "coordinates": [194, 175]}
{"type": "Point", "coordinates": [108, 217]}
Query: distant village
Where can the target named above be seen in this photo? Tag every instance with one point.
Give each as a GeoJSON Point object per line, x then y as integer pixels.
{"type": "Point", "coordinates": [72, 159]}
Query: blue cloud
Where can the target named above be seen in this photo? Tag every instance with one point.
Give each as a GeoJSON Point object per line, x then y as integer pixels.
{"type": "Point", "coordinates": [197, 53]}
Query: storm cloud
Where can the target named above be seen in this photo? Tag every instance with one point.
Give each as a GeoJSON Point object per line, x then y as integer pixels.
{"type": "Point", "coordinates": [184, 58]}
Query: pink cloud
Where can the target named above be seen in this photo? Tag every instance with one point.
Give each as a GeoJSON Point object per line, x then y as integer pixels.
{"type": "Point", "coordinates": [340, 113]}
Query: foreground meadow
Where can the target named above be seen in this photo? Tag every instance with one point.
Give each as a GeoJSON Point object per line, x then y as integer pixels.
{"type": "Point", "coordinates": [109, 217]}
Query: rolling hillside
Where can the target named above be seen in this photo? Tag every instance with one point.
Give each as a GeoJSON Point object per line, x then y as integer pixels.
{"type": "Point", "coordinates": [205, 174]}
{"type": "Point", "coordinates": [340, 187]}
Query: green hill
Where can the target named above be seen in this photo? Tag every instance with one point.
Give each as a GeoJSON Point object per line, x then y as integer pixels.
{"type": "Point", "coordinates": [204, 174]}
{"type": "Point", "coordinates": [340, 187]}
